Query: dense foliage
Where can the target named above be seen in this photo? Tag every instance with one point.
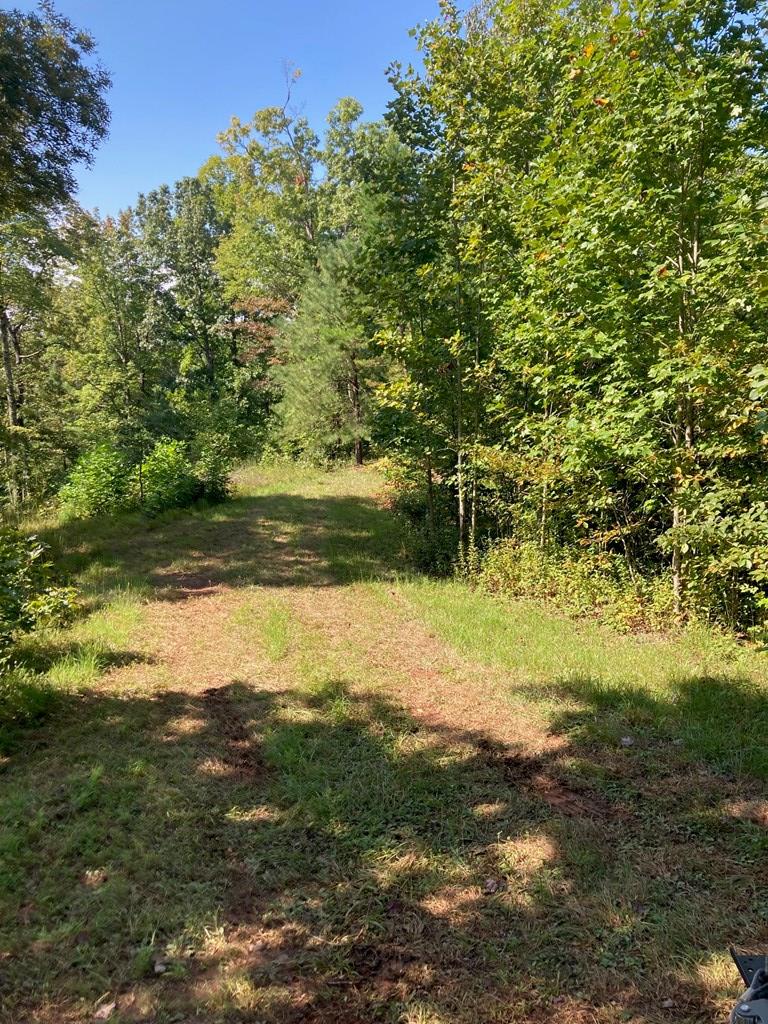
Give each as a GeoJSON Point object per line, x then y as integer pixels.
{"type": "Point", "coordinates": [537, 286]}
{"type": "Point", "coordinates": [29, 592]}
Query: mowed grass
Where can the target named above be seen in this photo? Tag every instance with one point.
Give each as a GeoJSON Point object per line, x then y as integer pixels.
{"type": "Point", "coordinates": [701, 690]}
{"type": "Point", "coordinates": [227, 815]}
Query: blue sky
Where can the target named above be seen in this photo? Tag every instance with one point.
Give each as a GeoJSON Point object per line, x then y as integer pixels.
{"type": "Point", "coordinates": [182, 68]}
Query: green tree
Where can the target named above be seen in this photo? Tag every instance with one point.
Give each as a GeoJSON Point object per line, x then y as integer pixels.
{"type": "Point", "coordinates": [30, 253]}
{"type": "Point", "coordinates": [265, 183]}
{"type": "Point", "coordinates": [330, 360]}
{"type": "Point", "coordinates": [53, 111]}
{"type": "Point", "coordinates": [124, 355]}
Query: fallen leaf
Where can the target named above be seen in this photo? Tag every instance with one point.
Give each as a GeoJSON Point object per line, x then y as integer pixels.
{"type": "Point", "coordinates": [105, 1011]}
{"type": "Point", "coordinates": [95, 877]}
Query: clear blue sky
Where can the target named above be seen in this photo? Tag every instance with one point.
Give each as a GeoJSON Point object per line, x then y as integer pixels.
{"type": "Point", "coordinates": [182, 68]}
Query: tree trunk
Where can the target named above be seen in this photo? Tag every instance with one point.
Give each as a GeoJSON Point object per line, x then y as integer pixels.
{"type": "Point", "coordinates": [357, 409]}
{"type": "Point", "coordinates": [683, 434]}
{"type": "Point", "coordinates": [544, 515]}
{"type": "Point", "coordinates": [677, 564]}
{"type": "Point", "coordinates": [15, 487]}
{"type": "Point", "coordinates": [10, 383]}
{"type": "Point", "coordinates": [684, 439]}
{"type": "Point", "coordinates": [210, 367]}
{"type": "Point", "coordinates": [460, 480]}
{"type": "Point", "coordinates": [462, 512]}
{"type": "Point", "coordinates": [430, 498]}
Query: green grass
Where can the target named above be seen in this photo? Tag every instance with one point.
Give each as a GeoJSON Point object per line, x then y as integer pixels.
{"type": "Point", "coordinates": [218, 810]}
{"type": "Point", "coordinates": [700, 688]}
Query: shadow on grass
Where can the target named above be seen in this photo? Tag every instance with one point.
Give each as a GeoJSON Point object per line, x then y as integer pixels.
{"type": "Point", "coordinates": [39, 654]}
{"type": "Point", "coordinates": [720, 720]}
{"type": "Point", "coordinates": [239, 855]}
{"type": "Point", "coordinates": [271, 540]}
{"type": "Point", "coordinates": [31, 684]}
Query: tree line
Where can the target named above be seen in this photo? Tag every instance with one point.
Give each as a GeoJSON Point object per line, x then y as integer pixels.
{"type": "Point", "coordinates": [537, 286]}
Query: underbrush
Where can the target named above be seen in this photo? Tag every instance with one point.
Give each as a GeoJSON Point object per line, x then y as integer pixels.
{"type": "Point", "coordinates": [30, 592]}
{"type": "Point", "coordinates": [580, 582]}
{"type": "Point", "coordinates": [26, 698]}
{"type": "Point", "coordinates": [577, 582]}
{"type": "Point", "coordinates": [430, 538]}
{"type": "Point", "coordinates": [49, 644]}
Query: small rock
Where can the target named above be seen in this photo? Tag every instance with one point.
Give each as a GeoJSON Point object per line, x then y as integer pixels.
{"type": "Point", "coordinates": [160, 967]}
{"type": "Point", "coordinates": [677, 743]}
{"type": "Point", "coordinates": [627, 741]}
{"type": "Point", "coordinates": [668, 1004]}
{"type": "Point", "coordinates": [105, 1011]}
{"type": "Point", "coordinates": [490, 886]}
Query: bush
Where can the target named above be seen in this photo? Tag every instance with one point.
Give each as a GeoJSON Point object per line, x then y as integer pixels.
{"type": "Point", "coordinates": [216, 454]}
{"type": "Point", "coordinates": [29, 594]}
{"type": "Point", "coordinates": [577, 581]}
{"type": "Point", "coordinates": [430, 535]}
{"type": "Point", "coordinates": [103, 480]}
{"type": "Point", "coordinates": [97, 485]}
{"type": "Point", "coordinates": [165, 479]}
{"type": "Point", "coordinates": [25, 699]}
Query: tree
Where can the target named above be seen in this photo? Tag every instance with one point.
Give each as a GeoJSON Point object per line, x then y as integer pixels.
{"type": "Point", "coordinates": [123, 359]}
{"type": "Point", "coordinates": [265, 184]}
{"type": "Point", "coordinates": [329, 360]}
{"type": "Point", "coordinates": [29, 252]}
{"type": "Point", "coordinates": [182, 228]}
{"type": "Point", "coordinates": [53, 112]}
{"type": "Point", "coordinates": [642, 229]}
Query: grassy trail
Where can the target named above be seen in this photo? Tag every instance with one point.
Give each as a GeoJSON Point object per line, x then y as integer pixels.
{"type": "Point", "coordinates": [286, 781]}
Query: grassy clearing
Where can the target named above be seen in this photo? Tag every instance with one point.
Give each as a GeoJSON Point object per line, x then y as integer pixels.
{"type": "Point", "coordinates": [283, 781]}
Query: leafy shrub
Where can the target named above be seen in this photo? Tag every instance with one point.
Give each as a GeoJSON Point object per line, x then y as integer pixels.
{"type": "Point", "coordinates": [104, 481]}
{"type": "Point", "coordinates": [216, 455]}
{"type": "Point", "coordinates": [25, 698]}
{"type": "Point", "coordinates": [165, 479]}
{"type": "Point", "coordinates": [430, 536]}
{"type": "Point", "coordinates": [29, 594]}
{"type": "Point", "coordinates": [579, 582]}
{"type": "Point", "coordinates": [97, 485]}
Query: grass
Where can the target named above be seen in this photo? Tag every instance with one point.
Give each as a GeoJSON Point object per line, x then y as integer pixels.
{"type": "Point", "coordinates": [700, 689]}
{"type": "Point", "coordinates": [281, 779]}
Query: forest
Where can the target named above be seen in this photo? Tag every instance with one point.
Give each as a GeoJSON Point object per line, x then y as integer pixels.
{"type": "Point", "coordinates": [384, 536]}
{"type": "Point", "coordinates": [537, 287]}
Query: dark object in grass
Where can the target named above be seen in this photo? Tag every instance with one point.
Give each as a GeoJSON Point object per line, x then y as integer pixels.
{"type": "Point", "coordinates": [752, 1008]}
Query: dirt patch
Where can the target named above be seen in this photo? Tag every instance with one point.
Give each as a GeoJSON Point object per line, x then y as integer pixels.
{"type": "Point", "coordinates": [238, 752]}
{"type": "Point", "coordinates": [182, 585]}
{"type": "Point", "coordinates": [755, 811]}
{"type": "Point", "coordinates": [446, 692]}
{"type": "Point", "coordinates": [534, 775]}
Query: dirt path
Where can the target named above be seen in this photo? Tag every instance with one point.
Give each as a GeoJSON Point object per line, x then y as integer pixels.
{"type": "Point", "coordinates": [289, 800]}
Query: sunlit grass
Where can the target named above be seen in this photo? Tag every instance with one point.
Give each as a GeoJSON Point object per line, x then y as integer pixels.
{"type": "Point", "coordinates": [699, 689]}
{"type": "Point", "coordinates": [277, 631]}
{"type": "Point", "coordinates": [289, 841]}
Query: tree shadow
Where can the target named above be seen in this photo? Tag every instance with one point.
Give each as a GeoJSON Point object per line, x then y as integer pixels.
{"type": "Point", "coordinates": [237, 855]}
{"type": "Point", "coordinates": [721, 720]}
{"type": "Point", "coordinates": [278, 540]}
{"type": "Point", "coordinates": [39, 653]}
